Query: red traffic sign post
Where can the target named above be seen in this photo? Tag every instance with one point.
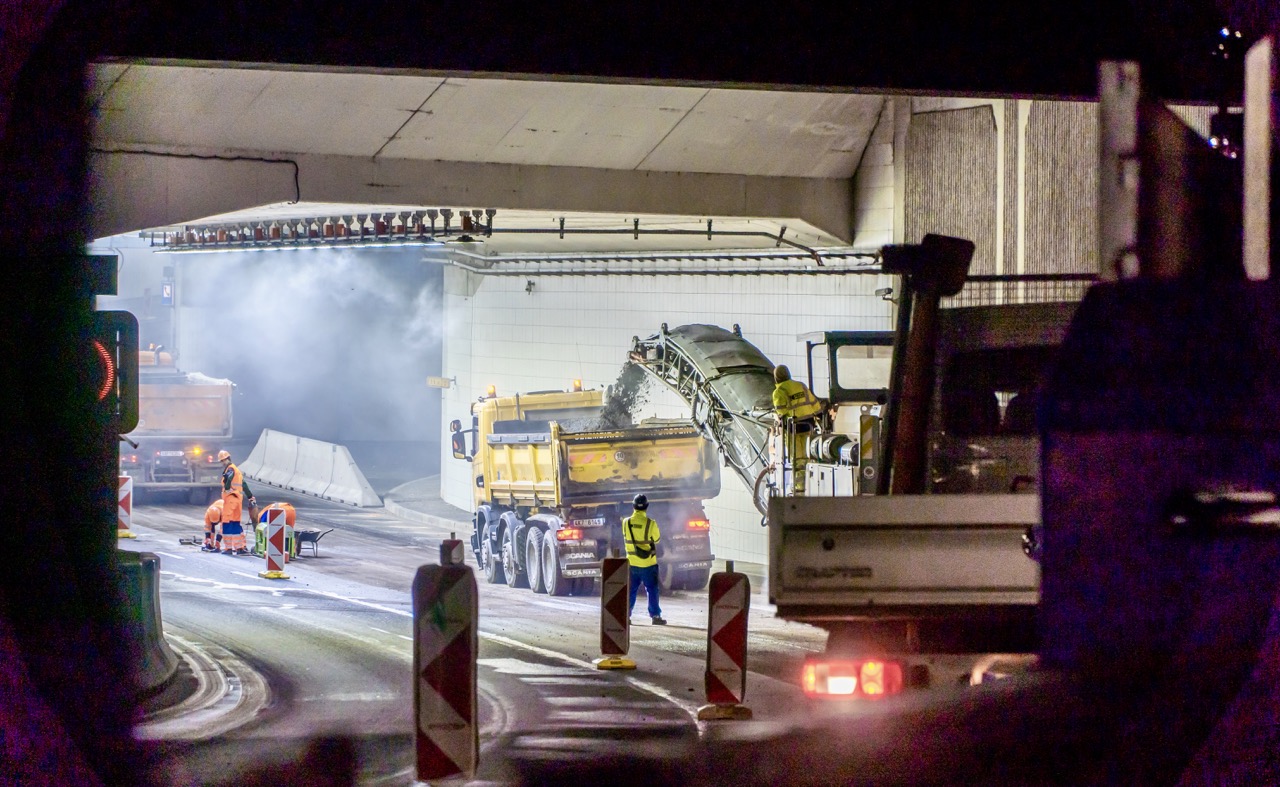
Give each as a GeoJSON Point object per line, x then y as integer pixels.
{"type": "Point", "coordinates": [729, 599]}
{"type": "Point", "coordinates": [124, 507]}
{"type": "Point", "coordinates": [275, 519]}
{"type": "Point", "coordinates": [615, 621]}
{"type": "Point", "coordinates": [445, 643]}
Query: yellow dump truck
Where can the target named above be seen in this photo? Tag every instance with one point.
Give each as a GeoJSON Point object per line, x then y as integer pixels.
{"type": "Point", "coordinates": [554, 474]}
{"type": "Point", "coordinates": [184, 418]}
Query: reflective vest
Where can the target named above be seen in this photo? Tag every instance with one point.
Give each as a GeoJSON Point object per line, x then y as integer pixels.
{"type": "Point", "coordinates": [232, 481]}
{"type": "Point", "coordinates": [638, 530]}
{"type": "Point", "coordinates": [792, 399]}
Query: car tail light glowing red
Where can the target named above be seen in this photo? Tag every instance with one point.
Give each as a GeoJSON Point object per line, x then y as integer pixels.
{"type": "Point", "coordinates": [569, 534]}
{"type": "Point", "coordinates": [699, 524]}
{"type": "Point", "coordinates": [845, 678]}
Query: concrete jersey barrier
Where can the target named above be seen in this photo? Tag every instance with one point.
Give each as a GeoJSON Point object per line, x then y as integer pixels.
{"type": "Point", "coordinates": [312, 467]}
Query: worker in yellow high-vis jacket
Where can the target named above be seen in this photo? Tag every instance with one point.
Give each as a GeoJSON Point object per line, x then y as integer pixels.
{"type": "Point", "coordinates": [798, 410]}
{"type": "Point", "coordinates": [640, 533]}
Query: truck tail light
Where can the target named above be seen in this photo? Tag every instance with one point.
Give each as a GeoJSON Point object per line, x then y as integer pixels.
{"type": "Point", "coordinates": [844, 678]}
{"type": "Point", "coordinates": [699, 524]}
{"type": "Point", "coordinates": [569, 534]}
{"type": "Point", "coordinates": [129, 459]}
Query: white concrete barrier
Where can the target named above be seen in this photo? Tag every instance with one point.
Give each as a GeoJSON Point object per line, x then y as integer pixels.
{"type": "Point", "coordinates": [314, 470]}
{"type": "Point", "coordinates": [312, 467]}
{"type": "Point", "coordinates": [273, 460]}
{"type": "Point", "coordinates": [348, 483]}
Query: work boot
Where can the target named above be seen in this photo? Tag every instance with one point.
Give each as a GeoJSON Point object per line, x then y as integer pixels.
{"type": "Point", "coordinates": [658, 621]}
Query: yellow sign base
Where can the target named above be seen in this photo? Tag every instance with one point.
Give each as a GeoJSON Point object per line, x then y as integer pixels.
{"type": "Point", "coordinates": [273, 575]}
{"type": "Point", "coordinates": [614, 662]}
{"type": "Point", "coordinates": [724, 713]}
{"type": "Point", "coordinates": [125, 534]}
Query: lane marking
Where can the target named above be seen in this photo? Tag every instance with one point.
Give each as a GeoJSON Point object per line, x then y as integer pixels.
{"type": "Point", "coordinates": [170, 554]}
{"type": "Point", "coordinates": [657, 691]}
{"type": "Point", "coordinates": [643, 685]}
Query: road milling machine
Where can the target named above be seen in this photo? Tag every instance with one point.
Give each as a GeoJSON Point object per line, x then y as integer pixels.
{"type": "Point", "coordinates": [554, 474]}
{"type": "Point", "coordinates": [916, 530]}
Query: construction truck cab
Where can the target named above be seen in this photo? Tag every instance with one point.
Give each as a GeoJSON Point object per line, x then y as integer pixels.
{"type": "Point", "coordinates": [184, 419]}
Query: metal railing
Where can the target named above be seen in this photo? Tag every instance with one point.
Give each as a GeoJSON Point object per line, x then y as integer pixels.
{"type": "Point", "coordinates": [1030, 288]}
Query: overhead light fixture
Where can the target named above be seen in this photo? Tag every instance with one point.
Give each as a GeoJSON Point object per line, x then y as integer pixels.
{"type": "Point", "coordinates": [401, 228]}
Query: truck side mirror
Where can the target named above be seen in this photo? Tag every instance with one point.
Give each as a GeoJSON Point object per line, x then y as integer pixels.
{"type": "Point", "coordinates": [459, 443]}
{"type": "Point", "coordinates": [455, 425]}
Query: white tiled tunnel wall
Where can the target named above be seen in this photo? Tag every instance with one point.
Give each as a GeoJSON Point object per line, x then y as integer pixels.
{"type": "Point", "coordinates": [570, 327]}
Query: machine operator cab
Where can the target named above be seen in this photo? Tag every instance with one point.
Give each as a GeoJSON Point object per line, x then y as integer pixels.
{"type": "Point", "coordinates": [839, 457]}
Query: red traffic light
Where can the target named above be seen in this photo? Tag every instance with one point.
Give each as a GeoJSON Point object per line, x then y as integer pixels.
{"type": "Point", "coordinates": [111, 367]}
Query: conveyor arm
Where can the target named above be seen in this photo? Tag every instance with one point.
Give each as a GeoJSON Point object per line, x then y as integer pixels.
{"type": "Point", "coordinates": [727, 383]}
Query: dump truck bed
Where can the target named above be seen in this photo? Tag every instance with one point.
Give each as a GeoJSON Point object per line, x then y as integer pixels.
{"type": "Point", "coordinates": [559, 468]}
{"type": "Point", "coordinates": [198, 407]}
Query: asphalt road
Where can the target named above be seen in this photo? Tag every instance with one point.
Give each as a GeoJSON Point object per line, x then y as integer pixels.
{"type": "Point", "coordinates": [329, 651]}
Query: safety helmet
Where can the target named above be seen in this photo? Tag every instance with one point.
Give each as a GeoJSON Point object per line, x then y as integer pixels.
{"type": "Point", "coordinates": [640, 503]}
{"type": "Point", "coordinates": [781, 373]}
{"type": "Point", "coordinates": [224, 456]}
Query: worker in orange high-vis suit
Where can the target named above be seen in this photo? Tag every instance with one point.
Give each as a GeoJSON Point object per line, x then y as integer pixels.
{"type": "Point", "coordinates": [234, 490]}
{"type": "Point", "coordinates": [212, 527]}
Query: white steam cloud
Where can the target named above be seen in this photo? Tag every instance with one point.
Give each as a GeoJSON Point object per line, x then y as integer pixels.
{"type": "Point", "coordinates": [330, 344]}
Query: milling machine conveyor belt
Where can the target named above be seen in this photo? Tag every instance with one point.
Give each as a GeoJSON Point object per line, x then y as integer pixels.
{"type": "Point", "coordinates": [728, 385]}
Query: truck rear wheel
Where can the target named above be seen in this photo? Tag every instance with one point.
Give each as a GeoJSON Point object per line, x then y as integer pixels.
{"type": "Point", "coordinates": [533, 560]}
{"type": "Point", "coordinates": [694, 578]}
{"type": "Point", "coordinates": [514, 574]}
{"type": "Point", "coordinates": [493, 573]}
{"type": "Point", "coordinates": [555, 583]}
{"type": "Point", "coordinates": [668, 578]}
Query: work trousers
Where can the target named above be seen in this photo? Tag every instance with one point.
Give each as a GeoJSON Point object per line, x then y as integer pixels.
{"type": "Point", "coordinates": [649, 576]}
{"type": "Point", "coordinates": [232, 536]}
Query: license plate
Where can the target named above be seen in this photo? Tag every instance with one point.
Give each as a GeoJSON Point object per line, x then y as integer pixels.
{"type": "Point", "coordinates": [169, 453]}
{"type": "Point", "coordinates": [597, 522]}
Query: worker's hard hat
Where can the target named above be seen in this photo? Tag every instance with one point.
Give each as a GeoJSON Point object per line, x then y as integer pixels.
{"type": "Point", "coordinates": [224, 456]}
{"type": "Point", "coordinates": [781, 373]}
{"type": "Point", "coordinates": [641, 502]}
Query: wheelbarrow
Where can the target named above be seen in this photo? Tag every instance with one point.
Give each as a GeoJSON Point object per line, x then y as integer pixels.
{"type": "Point", "coordinates": [310, 538]}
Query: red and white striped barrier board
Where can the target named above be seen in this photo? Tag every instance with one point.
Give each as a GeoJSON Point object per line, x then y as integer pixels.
{"type": "Point", "coordinates": [615, 623]}
{"type": "Point", "coordinates": [445, 613]}
{"type": "Point", "coordinates": [729, 599]}
{"type": "Point", "coordinates": [124, 507]}
{"type": "Point", "coordinates": [275, 524]}
{"type": "Point", "coordinates": [452, 552]}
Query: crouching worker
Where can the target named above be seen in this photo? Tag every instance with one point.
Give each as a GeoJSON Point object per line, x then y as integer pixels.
{"type": "Point", "coordinates": [234, 489]}
{"type": "Point", "coordinates": [212, 529]}
{"type": "Point", "coordinates": [290, 543]}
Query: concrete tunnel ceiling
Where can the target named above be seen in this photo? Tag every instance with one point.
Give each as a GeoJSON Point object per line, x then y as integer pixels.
{"type": "Point", "coordinates": [180, 144]}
